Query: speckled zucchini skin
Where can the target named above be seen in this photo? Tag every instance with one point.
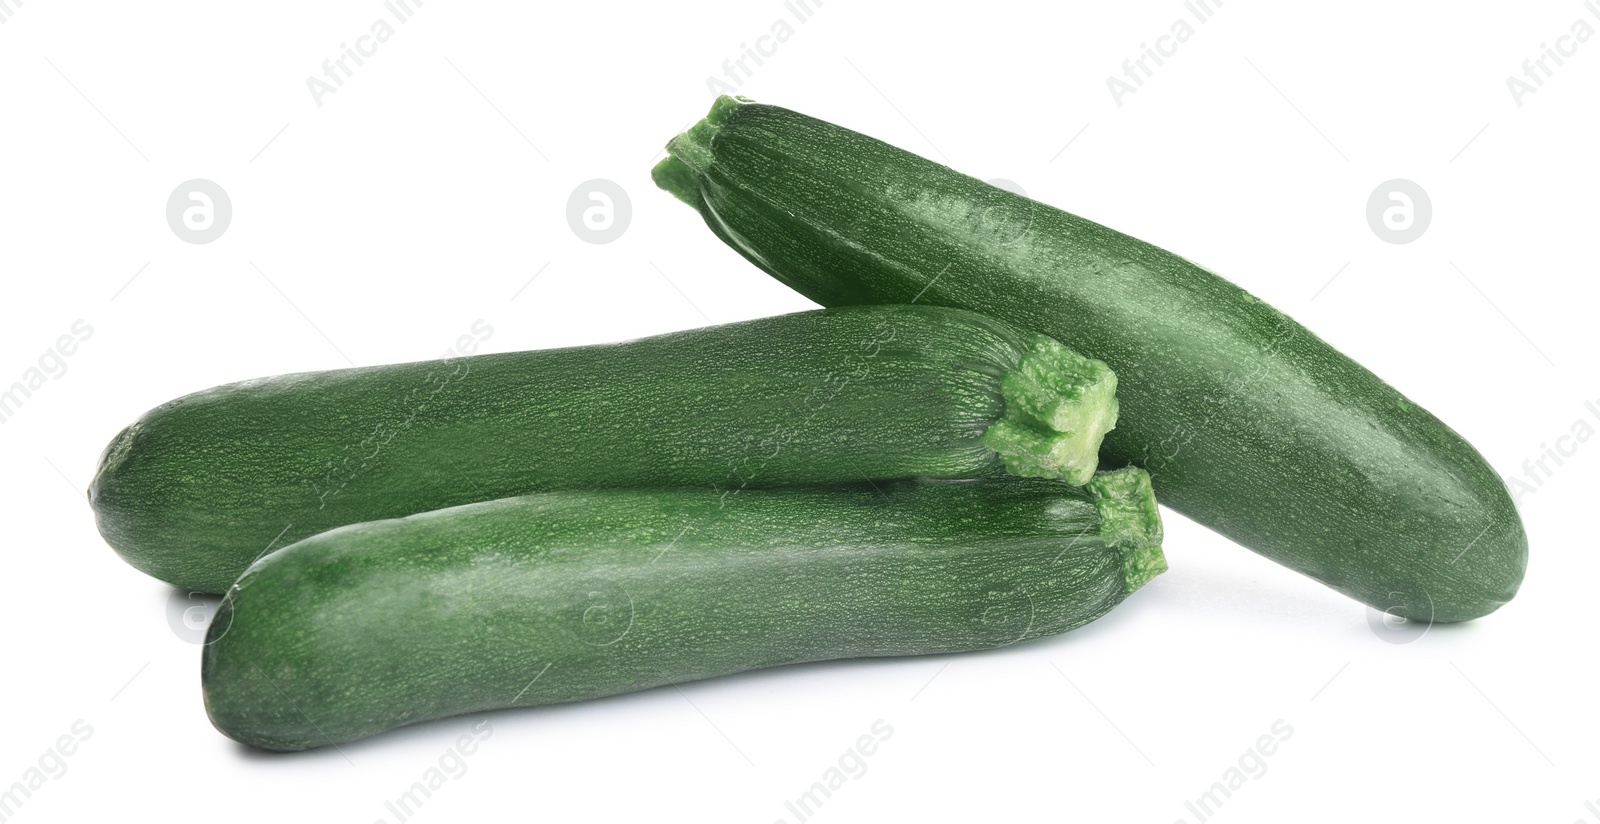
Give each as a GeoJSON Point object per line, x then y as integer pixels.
{"type": "Point", "coordinates": [200, 487]}
{"type": "Point", "coordinates": [1248, 422]}
{"type": "Point", "coordinates": [565, 596]}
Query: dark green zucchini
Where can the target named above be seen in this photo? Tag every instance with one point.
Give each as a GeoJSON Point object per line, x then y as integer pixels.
{"type": "Point", "coordinates": [565, 596]}
{"type": "Point", "coordinates": [200, 487]}
{"type": "Point", "coordinates": [1248, 422]}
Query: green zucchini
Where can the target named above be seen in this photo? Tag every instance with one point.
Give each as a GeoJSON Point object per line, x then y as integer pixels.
{"type": "Point", "coordinates": [200, 487]}
{"type": "Point", "coordinates": [565, 596]}
{"type": "Point", "coordinates": [1248, 422]}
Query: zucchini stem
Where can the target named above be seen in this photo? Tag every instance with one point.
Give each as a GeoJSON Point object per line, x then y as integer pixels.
{"type": "Point", "coordinates": [1130, 521]}
{"type": "Point", "coordinates": [689, 154]}
{"type": "Point", "coordinates": [693, 147]}
{"type": "Point", "coordinates": [674, 177]}
{"type": "Point", "coordinates": [1140, 564]}
{"type": "Point", "coordinates": [1059, 405]}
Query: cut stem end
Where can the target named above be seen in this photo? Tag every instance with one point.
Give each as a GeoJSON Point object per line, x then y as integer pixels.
{"type": "Point", "coordinates": [1131, 521]}
{"type": "Point", "coordinates": [693, 147]}
{"type": "Point", "coordinates": [1059, 406]}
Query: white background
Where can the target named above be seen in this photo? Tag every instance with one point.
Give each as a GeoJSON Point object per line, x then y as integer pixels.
{"type": "Point", "coordinates": [426, 192]}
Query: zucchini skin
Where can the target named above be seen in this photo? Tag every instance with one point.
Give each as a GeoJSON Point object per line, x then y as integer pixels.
{"type": "Point", "coordinates": [200, 487]}
{"type": "Point", "coordinates": [566, 596]}
{"type": "Point", "coordinates": [1248, 422]}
